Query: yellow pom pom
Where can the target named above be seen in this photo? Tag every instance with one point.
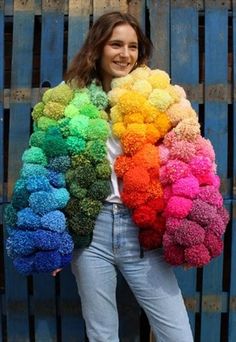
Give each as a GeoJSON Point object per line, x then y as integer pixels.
{"type": "Point", "coordinates": [131, 102]}
{"type": "Point", "coordinates": [141, 73]}
{"type": "Point", "coordinates": [137, 128]}
{"type": "Point", "coordinates": [150, 113]}
{"type": "Point", "coordinates": [38, 111]}
{"type": "Point", "coordinates": [173, 93]}
{"type": "Point", "coordinates": [160, 99]}
{"type": "Point", "coordinates": [159, 79]}
{"type": "Point", "coordinates": [118, 129]}
{"type": "Point", "coordinates": [143, 87]}
{"type": "Point", "coordinates": [152, 134]}
{"type": "Point", "coordinates": [115, 94]}
{"type": "Point", "coordinates": [116, 115]}
{"type": "Point", "coordinates": [103, 115]}
{"type": "Point", "coordinates": [133, 118]}
{"type": "Point", "coordinates": [163, 124]}
{"type": "Point", "coordinates": [61, 93]}
{"type": "Point", "coordinates": [122, 82]}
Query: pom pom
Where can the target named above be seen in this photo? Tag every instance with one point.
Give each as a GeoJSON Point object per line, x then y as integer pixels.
{"type": "Point", "coordinates": [54, 221]}
{"type": "Point", "coordinates": [28, 220]}
{"type": "Point", "coordinates": [178, 207]}
{"type": "Point", "coordinates": [189, 233]}
{"type": "Point", "coordinates": [197, 256]}
{"type": "Point", "coordinates": [46, 240]}
{"type": "Point", "coordinates": [10, 215]}
{"type": "Point", "coordinates": [211, 195]}
{"type": "Point", "coordinates": [202, 212]}
{"type": "Point", "coordinates": [186, 187]}
{"type": "Point", "coordinates": [174, 255]}
{"type": "Point", "coordinates": [46, 262]}
{"type": "Point", "coordinates": [136, 179]}
{"type": "Point", "coordinates": [34, 155]}
{"type": "Point", "coordinates": [37, 183]}
{"type": "Point", "coordinates": [144, 216]}
{"type": "Point", "coordinates": [150, 239]}
{"type": "Point", "coordinates": [59, 164]}
{"type": "Point", "coordinates": [213, 244]}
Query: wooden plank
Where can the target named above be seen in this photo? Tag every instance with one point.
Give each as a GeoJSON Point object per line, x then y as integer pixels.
{"type": "Point", "coordinates": [232, 293]}
{"type": "Point", "coordinates": [216, 130]}
{"type": "Point", "coordinates": [159, 18]}
{"type": "Point", "coordinates": [78, 22]}
{"type": "Point", "coordinates": [234, 97]}
{"type": "Point", "coordinates": [51, 67]}
{"type": "Point", "coordinates": [138, 10]}
{"type": "Point", "coordinates": [185, 69]}
{"type": "Point", "coordinates": [1, 98]}
{"type": "Point", "coordinates": [16, 285]}
{"type": "Point", "coordinates": [103, 6]}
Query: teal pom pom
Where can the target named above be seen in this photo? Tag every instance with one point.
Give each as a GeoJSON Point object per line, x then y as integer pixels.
{"type": "Point", "coordinates": [37, 139]}
{"type": "Point", "coordinates": [42, 202]}
{"type": "Point", "coordinates": [98, 129]}
{"type": "Point", "coordinates": [78, 126]}
{"type": "Point", "coordinates": [63, 124]}
{"type": "Point", "coordinates": [37, 183]}
{"type": "Point", "coordinates": [99, 190]}
{"type": "Point", "coordinates": [10, 215]}
{"type": "Point", "coordinates": [98, 97]}
{"type": "Point", "coordinates": [54, 145]}
{"type": "Point", "coordinates": [20, 195]}
{"type": "Point", "coordinates": [61, 196]}
{"type": "Point", "coordinates": [96, 150]}
{"type": "Point", "coordinates": [34, 155]}
{"type": "Point", "coordinates": [75, 145]}
{"type": "Point", "coordinates": [30, 170]}
{"type": "Point", "coordinates": [90, 111]}
{"type": "Point", "coordinates": [59, 164]}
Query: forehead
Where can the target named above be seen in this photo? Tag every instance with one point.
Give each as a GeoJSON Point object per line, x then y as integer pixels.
{"type": "Point", "coordinates": [124, 32]}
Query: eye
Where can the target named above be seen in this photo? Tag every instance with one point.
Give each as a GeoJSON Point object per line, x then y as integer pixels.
{"type": "Point", "coordinates": [133, 47]}
{"type": "Point", "coordinates": [115, 45]}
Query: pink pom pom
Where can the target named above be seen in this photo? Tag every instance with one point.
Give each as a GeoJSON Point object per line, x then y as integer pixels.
{"type": "Point", "coordinates": [200, 166]}
{"type": "Point", "coordinates": [189, 234]}
{"type": "Point", "coordinates": [186, 187]}
{"type": "Point", "coordinates": [209, 179]}
{"type": "Point", "coordinates": [174, 255]}
{"type": "Point", "coordinates": [172, 224]}
{"type": "Point", "coordinates": [167, 240]}
{"type": "Point", "coordinates": [178, 207]}
{"type": "Point", "coordinates": [223, 214]}
{"type": "Point", "coordinates": [197, 256]}
{"type": "Point", "coordinates": [182, 150]}
{"type": "Point", "coordinates": [176, 169]}
{"type": "Point", "coordinates": [211, 195]}
{"type": "Point", "coordinates": [169, 139]}
{"type": "Point", "coordinates": [163, 154]}
{"type": "Point", "coordinates": [213, 244]}
{"type": "Point", "coordinates": [167, 193]}
{"type": "Point", "coordinates": [204, 148]}
{"type": "Point", "coordinates": [202, 213]}
{"type": "Point", "coordinates": [216, 226]}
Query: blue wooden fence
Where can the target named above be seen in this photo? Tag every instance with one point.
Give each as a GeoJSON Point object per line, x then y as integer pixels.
{"type": "Point", "coordinates": [196, 42]}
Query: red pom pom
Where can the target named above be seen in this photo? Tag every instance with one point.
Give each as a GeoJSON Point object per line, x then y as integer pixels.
{"type": "Point", "coordinates": [150, 239]}
{"type": "Point", "coordinates": [134, 199]}
{"type": "Point", "coordinates": [197, 256]}
{"type": "Point", "coordinates": [157, 204]}
{"type": "Point", "coordinates": [174, 255]}
{"type": "Point", "coordinates": [213, 244]}
{"type": "Point", "coordinates": [144, 216]}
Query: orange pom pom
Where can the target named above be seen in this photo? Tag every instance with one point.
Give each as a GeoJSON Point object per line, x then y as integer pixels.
{"type": "Point", "coordinates": [136, 179]}
{"type": "Point", "coordinates": [147, 157]}
{"type": "Point", "coordinates": [122, 165]}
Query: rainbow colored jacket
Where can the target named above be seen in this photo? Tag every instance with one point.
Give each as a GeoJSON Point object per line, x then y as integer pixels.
{"type": "Point", "coordinates": [167, 168]}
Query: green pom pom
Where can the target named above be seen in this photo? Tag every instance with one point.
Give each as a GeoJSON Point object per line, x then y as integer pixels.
{"type": "Point", "coordinates": [61, 94]}
{"type": "Point", "coordinates": [54, 110]}
{"type": "Point", "coordinates": [81, 241]}
{"type": "Point", "coordinates": [79, 160]}
{"type": "Point", "coordinates": [81, 224]}
{"type": "Point", "coordinates": [77, 191]}
{"type": "Point", "coordinates": [99, 190]}
{"type": "Point", "coordinates": [85, 175]}
{"type": "Point", "coordinates": [80, 98]}
{"type": "Point", "coordinates": [90, 207]}
{"type": "Point", "coordinates": [44, 123]}
{"type": "Point", "coordinates": [98, 97]}
{"type": "Point", "coordinates": [72, 207]}
{"type": "Point", "coordinates": [34, 155]}
{"type": "Point", "coordinates": [38, 111]}
{"type": "Point", "coordinates": [103, 170]}
{"type": "Point", "coordinates": [70, 176]}
{"type": "Point", "coordinates": [20, 195]}
{"type": "Point", "coordinates": [96, 150]}
{"type": "Point", "coordinates": [37, 139]}
{"type": "Point", "coordinates": [10, 215]}
{"type": "Point", "coordinates": [54, 145]}
{"type": "Point", "coordinates": [98, 129]}
{"type": "Point", "coordinates": [63, 124]}
{"type": "Point", "coordinates": [90, 111]}
{"type": "Point", "coordinates": [71, 111]}
{"type": "Point", "coordinates": [78, 126]}
{"type": "Point", "coordinates": [75, 145]}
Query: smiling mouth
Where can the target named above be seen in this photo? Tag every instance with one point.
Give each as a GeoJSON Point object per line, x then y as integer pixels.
{"type": "Point", "coordinates": [123, 65]}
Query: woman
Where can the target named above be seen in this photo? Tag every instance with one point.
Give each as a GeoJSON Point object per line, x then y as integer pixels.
{"type": "Point", "coordinates": [114, 47]}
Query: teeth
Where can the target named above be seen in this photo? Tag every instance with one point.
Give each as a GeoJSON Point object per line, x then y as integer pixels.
{"type": "Point", "coordinates": [121, 64]}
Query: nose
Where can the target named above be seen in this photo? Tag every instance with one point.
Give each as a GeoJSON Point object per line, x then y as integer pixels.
{"type": "Point", "coordinates": [124, 51]}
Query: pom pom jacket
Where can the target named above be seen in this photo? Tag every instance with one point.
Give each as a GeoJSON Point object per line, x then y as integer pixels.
{"type": "Point", "coordinates": [167, 168]}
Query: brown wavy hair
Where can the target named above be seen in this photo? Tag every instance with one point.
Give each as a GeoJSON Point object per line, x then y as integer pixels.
{"type": "Point", "coordinates": [85, 65]}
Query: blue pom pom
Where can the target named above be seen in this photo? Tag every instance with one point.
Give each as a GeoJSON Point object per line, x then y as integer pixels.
{"type": "Point", "coordinates": [11, 230]}
{"type": "Point", "coordinates": [28, 220]}
{"type": "Point", "coordinates": [56, 179]}
{"type": "Point", "coordinates": [38, 183]}
{"type": "Point", "coordinates": [42, 202]}
{"type": "Point", "coordinates": [65, 259]}
{"type": "Point", "coordinates": [24, 265]}
{"type": "Point", "coordinates": [29, 170]}
{"type": "Point", "coordinates": [67, 244]}
{"type": "Point", "coordinates": [61, 196]}
{"type": "Point", "coordinates": [47, 261]}
{"type": "Point", "coordinates": [46, 240]}
{"type": "Point", "coordinates": [59, 164]}
{"type": "Point", "coordinates": [23, 242]}
{"type": "Point", "coordinates": [55, 221]}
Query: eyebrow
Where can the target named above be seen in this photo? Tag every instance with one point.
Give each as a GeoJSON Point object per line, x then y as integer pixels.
{"type": "Point", "coordinates": [120, 41]}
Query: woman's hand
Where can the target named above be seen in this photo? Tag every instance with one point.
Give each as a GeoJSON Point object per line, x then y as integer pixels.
{"type": "Point", "coordinates": [54, 273]}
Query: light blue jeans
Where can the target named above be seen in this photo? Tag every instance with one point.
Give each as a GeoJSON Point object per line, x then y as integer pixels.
{"type": "Point", "coordinates": [115, 245]}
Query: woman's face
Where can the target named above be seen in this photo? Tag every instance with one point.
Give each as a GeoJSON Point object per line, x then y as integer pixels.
{"type": "Point", "coordinates": [119, 54]}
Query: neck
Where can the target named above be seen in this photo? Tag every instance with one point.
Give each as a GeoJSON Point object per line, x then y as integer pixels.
{"type": "Point", "coordinates": [106, 84]}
